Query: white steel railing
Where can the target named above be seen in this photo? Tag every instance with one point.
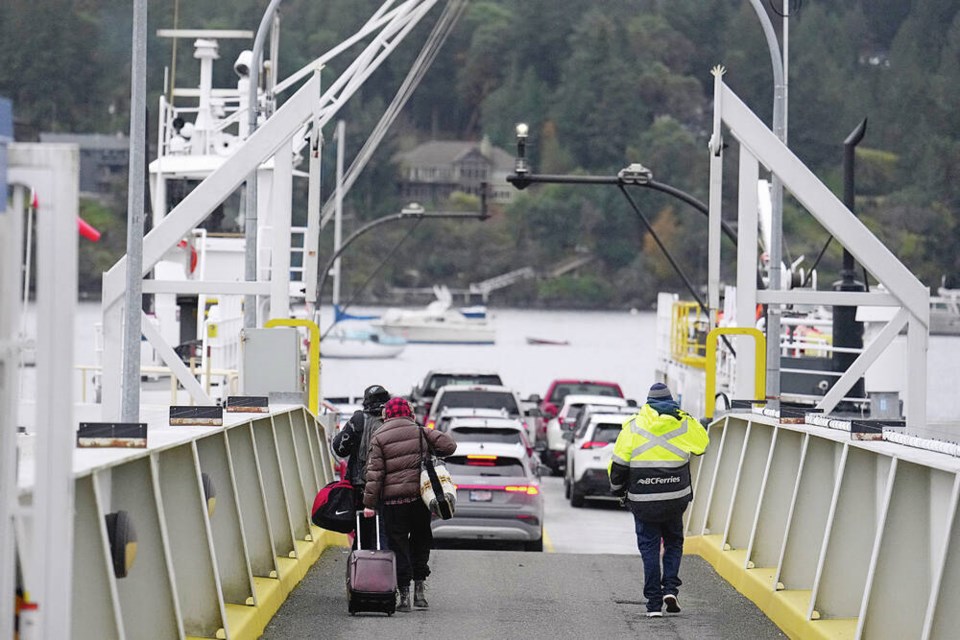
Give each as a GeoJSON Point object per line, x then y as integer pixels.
{"type": "Point", "coordinates": [220, 517]}
{"type": "Point", "coordinates": [829, 535]}
{"type": "Point", "coordinates": [298, 258]}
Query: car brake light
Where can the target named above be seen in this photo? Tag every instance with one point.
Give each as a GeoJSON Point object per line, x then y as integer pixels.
{"type": "Point", "coordinates": [480, 456]}
{"type": "Point", "coordinates": [431, 424]}
{"type": "Point", "coordinates": [522, 488]}
{"type": "Point", "coordinates": [594, 445]}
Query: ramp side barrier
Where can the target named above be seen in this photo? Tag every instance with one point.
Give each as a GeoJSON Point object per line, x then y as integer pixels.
{"type": "Point", "coordinates": [199, 571]}
{"type": "Point", "coordinates": [760, 372]}
{"type": "Point", "coordinates": [830, 537]}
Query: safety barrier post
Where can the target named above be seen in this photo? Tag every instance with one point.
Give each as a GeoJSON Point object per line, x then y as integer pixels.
{"type": "Point", "coordinates": [314, 355]}
{"type": "Point", "coordinates": [760, 372]}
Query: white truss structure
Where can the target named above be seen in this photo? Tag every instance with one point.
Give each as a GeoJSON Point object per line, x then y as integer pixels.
{"type": "Point", "coordinates": [758, 145]}
{"type": "Point", "coordinates": [308, 108]}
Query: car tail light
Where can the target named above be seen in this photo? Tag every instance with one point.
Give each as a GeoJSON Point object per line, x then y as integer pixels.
{"type": "Point", "coordinates": [431, 424]}
{"type": "Point", "coordinates": [522, 488]}
{"type": "Point", "coordinates": [594, 445]}
{"type": "Point", "coordinates": [529, 519]}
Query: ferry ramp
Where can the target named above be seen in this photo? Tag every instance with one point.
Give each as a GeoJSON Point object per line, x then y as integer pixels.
{"type": "Point", "coordinates": [484, 593]}
{"type": "Point", "coordinates": [795, 529]}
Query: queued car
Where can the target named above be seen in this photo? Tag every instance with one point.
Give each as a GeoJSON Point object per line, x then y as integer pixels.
{"type": "Point", "coordinates": [554, 455]}
{"type": "Point", "coordinates": [448, 414]}
{"type": "Point", "coordinates": [478, 396]}
{"type": "Point", "coordinates": [500, 430]}
{"type": "Point", "coordinates": [424, 392]}
{"type": "Point", "coordinates": [562, 387]}
{"type": "Point", "coordinates": [588, 455]}
{"type": "Point", "coordinates": [498, 496]}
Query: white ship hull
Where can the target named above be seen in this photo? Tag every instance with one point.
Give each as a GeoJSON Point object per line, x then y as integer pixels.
{"type": "Point", "coordinates": [440, 331]}
{"type": "Point", "coordinates": [353, 344]}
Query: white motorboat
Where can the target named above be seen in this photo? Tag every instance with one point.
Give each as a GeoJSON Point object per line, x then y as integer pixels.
{"type": "Point", "coordinates": [945, 312]}
{"type": "Point", "coordinates": [350, 342]}
{"type": "Point", "coordinates": [438, 323]}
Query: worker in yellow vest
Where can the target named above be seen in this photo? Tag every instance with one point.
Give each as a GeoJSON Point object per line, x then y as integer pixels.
{"type": "Point", "coordinates": [650, 471]}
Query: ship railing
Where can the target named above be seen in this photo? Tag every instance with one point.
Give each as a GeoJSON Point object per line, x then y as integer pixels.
{"type": "Point", "coordinates": [222, 329]}
{"type": "Point", "coordinates": [90, 374]}
{"type": "Point", "coordinates": [298, 254]}
{"type": "Point", "coordinates": [229, 103]}
{"type": "Point", "coordinates": [688, 339]}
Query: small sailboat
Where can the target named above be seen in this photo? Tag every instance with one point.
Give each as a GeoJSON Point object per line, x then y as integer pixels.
{"type": "Point", "coordinates": [351, 336]}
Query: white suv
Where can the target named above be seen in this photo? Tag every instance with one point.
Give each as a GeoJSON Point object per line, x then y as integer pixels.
{"type": "Point", "coordinates": [478, 396]}
{"type": "Point", "coordinates": [588, 455]}
{"type": "Point", "coordinates": [555, 454]}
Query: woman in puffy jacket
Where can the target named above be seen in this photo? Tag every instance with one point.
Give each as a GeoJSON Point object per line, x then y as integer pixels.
{"type": "Point", "coordinates": [393, 480]}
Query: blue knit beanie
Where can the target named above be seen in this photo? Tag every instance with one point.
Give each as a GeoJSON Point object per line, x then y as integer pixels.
{"type": "Point", "coordinates": [659, 392]}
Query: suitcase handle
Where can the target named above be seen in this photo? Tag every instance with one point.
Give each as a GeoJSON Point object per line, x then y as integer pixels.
{"type": "Point", "coordinates": [376, 519]}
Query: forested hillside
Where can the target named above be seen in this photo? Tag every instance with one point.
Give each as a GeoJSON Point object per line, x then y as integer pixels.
{"type": "Point", "coordinates": [602, 84]}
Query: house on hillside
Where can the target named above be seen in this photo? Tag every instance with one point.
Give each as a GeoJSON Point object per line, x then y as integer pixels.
{"type": "Point", "coordinates": [434, 170]}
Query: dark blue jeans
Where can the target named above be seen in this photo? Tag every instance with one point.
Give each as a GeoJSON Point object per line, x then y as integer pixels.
{"type": "Point", "coordinates": [657, 583]}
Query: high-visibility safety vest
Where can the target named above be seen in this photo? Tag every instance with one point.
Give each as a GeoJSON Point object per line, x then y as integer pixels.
{"type": "Point", "coordinates": [651, 461]}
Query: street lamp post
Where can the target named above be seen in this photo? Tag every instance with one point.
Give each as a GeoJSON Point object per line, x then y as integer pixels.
{"type": "Point", "coordinates": [634, 174]}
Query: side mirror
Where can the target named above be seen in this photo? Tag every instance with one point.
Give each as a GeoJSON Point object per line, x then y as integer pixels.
{"type": "Point", "coordinates": [568, 436]}
{"type": "Point", "coordinates": [534, 398]}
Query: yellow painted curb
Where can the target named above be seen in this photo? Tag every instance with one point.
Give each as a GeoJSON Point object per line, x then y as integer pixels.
{"type": "Point", "coordinates": [247, 622]}
{"type": "Point", "coordinates": [788, 608]}
{"type": "Point", "coordinates": [547, 542]}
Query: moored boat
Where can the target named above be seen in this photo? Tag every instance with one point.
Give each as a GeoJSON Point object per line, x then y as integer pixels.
{"type": "Point", "coordinates": [345, 342]}
{"type": "Point", "coordinates": [438, 323]}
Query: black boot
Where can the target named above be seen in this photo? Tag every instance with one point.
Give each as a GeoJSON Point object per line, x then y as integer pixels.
{"type": "Point", "coordinates": [404, 599]}
{"type": "Point", "coordinates": [419, 594]}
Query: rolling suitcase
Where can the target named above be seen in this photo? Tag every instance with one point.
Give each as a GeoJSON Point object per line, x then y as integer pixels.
{"type": "Point", "coordinates": [371, 577]}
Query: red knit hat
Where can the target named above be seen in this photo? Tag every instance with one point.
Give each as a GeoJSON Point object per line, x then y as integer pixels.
{"type": "Point", "coordinates": [397, 408]}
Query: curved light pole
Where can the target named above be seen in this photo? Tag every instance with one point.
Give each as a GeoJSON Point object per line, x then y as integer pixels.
{"type": "Point", "coordinates": [776, 198]}
{"type": "Point", "coordinates": [412, 211]}
{"type": "Point", "coordinates": [250, 208]}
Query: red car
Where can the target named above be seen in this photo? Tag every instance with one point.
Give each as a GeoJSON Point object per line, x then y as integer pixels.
{"type": "Point", "coordinates": [559, 389]}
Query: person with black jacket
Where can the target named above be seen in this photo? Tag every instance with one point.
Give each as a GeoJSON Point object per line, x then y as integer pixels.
{"type": "Point", "coordinates": [353, 442]}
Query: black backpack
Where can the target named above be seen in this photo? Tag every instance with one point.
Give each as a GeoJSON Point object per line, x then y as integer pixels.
{"type": "Point", "coordinates": [370, 426]}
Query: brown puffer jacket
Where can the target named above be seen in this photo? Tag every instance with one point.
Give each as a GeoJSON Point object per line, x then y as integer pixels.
{"type": "Point", "coordinates": [394, 460]}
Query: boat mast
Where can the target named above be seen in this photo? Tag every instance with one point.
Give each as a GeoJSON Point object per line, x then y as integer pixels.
{"type": "Point", "coordinates": [338, 218]}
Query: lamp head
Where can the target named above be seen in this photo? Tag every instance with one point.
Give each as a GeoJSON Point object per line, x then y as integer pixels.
{"type": "Point", "coordinates": [522, 130]}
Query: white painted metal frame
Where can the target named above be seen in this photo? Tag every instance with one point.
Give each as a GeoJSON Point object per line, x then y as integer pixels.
{"type": "Point", "coordinates": [759, 145]}
{"type": "Point", "coordinates": [53, 171]}
{"type": "Point", "coordinates": [859, 531]}
{"type": "Point", "coordinates": [306, 105]}
{"type": "Point", "coordinates": [11, 238]}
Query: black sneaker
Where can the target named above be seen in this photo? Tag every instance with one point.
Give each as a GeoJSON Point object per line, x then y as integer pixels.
{"type": "Point", "coordinates": [670, 601]}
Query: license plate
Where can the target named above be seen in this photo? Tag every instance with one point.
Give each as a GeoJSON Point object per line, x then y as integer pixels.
{"type": "Point", "coordinates": [481, 496]}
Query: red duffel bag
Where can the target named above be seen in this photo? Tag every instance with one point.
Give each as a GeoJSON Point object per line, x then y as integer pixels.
{"type": "Point", "coordinates": [333, 507]}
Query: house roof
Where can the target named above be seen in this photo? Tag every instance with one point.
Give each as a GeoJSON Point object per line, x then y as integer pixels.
{"type": "Point", "coordinates": [88, 140]}
{"type": "Point", "coordinates": [438, 152]}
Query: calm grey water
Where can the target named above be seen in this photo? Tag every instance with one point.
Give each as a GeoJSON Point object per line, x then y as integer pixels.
{"type": "Point", "coordinates": [607, 345]}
